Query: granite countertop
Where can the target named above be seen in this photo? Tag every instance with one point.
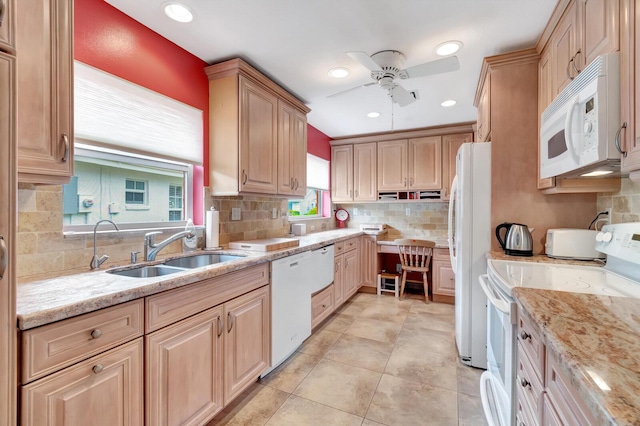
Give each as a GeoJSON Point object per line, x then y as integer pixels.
{"type": "Point", "coordinates": [46, 301]}
{"type": "Point", "coordinates": [541, 258]}
{"type": "Point", "coordinates": [597, 342]}
{"type": "Point", "coordinates": [388, 240]}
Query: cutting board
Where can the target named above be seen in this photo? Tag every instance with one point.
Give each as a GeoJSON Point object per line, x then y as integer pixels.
{"type": "Point", "coordinates": [266, 244]}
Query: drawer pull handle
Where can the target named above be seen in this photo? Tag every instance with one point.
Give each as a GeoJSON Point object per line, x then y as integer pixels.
{"type": "Point", "coordinates": [524, 335]}
{"type": "Point", "coordinates": [65, 145]}
{"type": "Point", "coordinates": [220, 326]}
{"type": "Point", "coordinates": [97, 369]}
{"type": "Point", "coordinates": [324, 306]}
{"type": "Point", "coordinates": [525, 383]}
{"type": "Point", "coordinates": [617, 140]}
{"type": "Point", "coordinates": [4, 256]}
{"type": "Point", "coordinates": [2, 8]}
{"type": "Point", "coordinates": [96, 333]}
{"type": "Point", "coordinates": [230, 322]}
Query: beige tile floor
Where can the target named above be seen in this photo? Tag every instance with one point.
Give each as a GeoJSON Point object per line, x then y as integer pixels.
{"type": "Point", "coordinates": [376, 361]}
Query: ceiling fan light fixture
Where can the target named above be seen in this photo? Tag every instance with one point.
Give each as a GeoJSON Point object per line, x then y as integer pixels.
{"type": "Point", "coordinates": [338, 72]}
{"type": "Point", "coordinates": [448, 48]}
{"type": "Point", "coordinates": [448, 103]}
{"type": "Point", "coordinates": [178, 11]}
{"type": "Point", "coordinates": [373, 114]}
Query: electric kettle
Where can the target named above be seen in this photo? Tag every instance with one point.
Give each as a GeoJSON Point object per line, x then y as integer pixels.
{"type": "Point", "coordinates": [517, 240]}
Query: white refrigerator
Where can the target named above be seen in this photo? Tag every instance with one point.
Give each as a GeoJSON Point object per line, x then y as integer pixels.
{"type": "Point", "coordinates": [469, 242]}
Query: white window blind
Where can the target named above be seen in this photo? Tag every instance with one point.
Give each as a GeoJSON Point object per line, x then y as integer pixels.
{"type": "Point", "coordinates": [317, 173]}
{"type": "Point", "coordinates": [115, 113]}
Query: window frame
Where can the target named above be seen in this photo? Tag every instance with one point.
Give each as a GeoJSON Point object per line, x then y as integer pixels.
{"type": "Point", "coordinates": [94, 152]}
{"type": "Point", "coordinates": [318, 215]}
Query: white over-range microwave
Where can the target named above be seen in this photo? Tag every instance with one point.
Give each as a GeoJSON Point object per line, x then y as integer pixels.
{"type": "Point", "coordinates": [579, 134]}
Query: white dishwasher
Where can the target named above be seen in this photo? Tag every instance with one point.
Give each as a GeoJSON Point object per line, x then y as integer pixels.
{"type": "Point", "coordinates": [290, 306]}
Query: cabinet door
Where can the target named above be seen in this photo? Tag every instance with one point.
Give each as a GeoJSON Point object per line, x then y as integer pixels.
{"type": "Point", "coordinates": [286, 142]}
{"type": "Point", "coordinates": [444, 280]}
{"type": "Point", "coordinates": [425, 163]}
{"type": "Point", "coordinates": [629, 88]}
{"type": "Point", "coordinates": [392, 165]}
{"type": "Point", "coordinates": [258, 139]}
{"type": "Point", "coordinates": [484, 111]}
{"type": "Point", "coordinates": [601, 28]}
{"type": "Point", "coordinates": [8, 369]}
{"type": "Point", "coordinates": [351, 281]}
{"type": "Point", "coordinates": [184, 371]}
{"type": "Point", "coordinates": [545, 97]}
{"type": "Point", "coordinates": [564, 47]}
{"type": "Point", "coordinates": [7, 25]}
{"type": "Point", "coordinates": [450, 146]}
{"type": "Point", "coordinates": [338, 279]}
{"type": "Point", "coordinates": [368, 261]}
{"type": "Point", "coordinates": [105, 390]}
{"type": "Point", "coordinates": [45, 83]}
{"type": "Point", "coordinates": [342, 173]}
{"type": "Point", "coordinates": [247, 342]}
{"type": "Point", "coordinates": [364, 172]}
{"type": "Point", "coordinates": [299, 154]}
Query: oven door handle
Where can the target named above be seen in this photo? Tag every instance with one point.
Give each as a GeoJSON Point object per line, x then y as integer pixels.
{"type": "Point", "coordinates": [453, 194]}
{"type": "Point", "coordinates": [485, 382]}
{"type": "Point", "coordinates": [503, 305]}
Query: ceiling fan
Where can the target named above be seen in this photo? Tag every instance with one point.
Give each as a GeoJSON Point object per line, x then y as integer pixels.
{"type": "Point", "coordinates": [388, 65]}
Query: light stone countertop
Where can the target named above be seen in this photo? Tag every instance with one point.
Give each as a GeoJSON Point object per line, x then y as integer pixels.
{"type": "Point", "coordinates": [46, 301]}
{"type": "Point", "coordinates": [541, 258]}
{"type": "Point", "coordinates": [597, 342]}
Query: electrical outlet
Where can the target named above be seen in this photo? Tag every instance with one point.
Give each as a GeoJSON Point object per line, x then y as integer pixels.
{"type": "Point", "coordinates": [408, 211]}
{"type": "Point", "coordinates": [274, 213]}
{"type": "Point", "coordinates": [398, 267]}
{"type": "Point", "coordinates": [355, 211]}
{"type": "Point", "coordinates": [236, 213]}
{"type": "Point", "coordinates": [609, 213]}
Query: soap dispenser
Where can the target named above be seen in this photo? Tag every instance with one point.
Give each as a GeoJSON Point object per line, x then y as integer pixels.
{"type": "Point", "coordinates": [190, 243]}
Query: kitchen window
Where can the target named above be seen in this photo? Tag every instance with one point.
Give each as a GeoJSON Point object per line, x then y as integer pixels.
{"type": "Point", "coordinates": [136, 192]}
{"type": "Point", "coordinates": [311, 205]}
{"type": "Point", "coordinates": [175, 202]}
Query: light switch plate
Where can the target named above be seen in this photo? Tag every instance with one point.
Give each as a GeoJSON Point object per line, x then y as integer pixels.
{"type": "Point", "coordinates": [408, 211]}
{"type": "Point", "coordinates": [236, 213]}
{"type": "Point", "coordinates": [274, 213]}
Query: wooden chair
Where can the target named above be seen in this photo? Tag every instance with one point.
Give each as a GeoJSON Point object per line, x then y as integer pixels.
{"type": "Point", "coordinates": [415, 256]}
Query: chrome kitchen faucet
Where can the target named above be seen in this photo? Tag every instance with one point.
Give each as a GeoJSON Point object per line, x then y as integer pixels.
{"type": "Point", "coordinates": [95, 260]}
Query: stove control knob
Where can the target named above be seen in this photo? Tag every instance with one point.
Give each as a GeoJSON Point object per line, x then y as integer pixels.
{"type": "Point", "coordinates": [607, 237]}
{"type": "Point", "coordinates": [599, 237]}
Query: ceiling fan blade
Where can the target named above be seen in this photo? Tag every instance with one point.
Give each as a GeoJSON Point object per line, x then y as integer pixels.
{"type": "Point", "coordinates": [352, 89]}
{"type": "Point", "coordinates": [365, 60]}
{"type": "Point", "coordinates": [401, 96]}
{"type": "Point", "coordinates": [434, 67]}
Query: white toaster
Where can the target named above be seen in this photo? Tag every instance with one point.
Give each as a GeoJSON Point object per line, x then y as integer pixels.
{"type": "Point", "coordinates": [568, 243]}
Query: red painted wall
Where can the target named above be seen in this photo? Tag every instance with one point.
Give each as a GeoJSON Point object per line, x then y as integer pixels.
{"type": "Point", "coordinates": [108, 39]}
{"type": "Point", "coordinates": [318, 143]}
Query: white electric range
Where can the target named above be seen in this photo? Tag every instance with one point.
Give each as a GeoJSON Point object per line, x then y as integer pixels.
{"type": "Point", "coordinates": [620, 277]}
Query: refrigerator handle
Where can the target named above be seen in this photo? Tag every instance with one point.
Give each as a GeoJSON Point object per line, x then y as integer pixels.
{"type": "Point", "coordinates": [452, 226]}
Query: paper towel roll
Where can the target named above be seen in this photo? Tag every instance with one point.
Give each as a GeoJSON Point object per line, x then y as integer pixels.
{"type": "Point", "coordinates": [212, 225]}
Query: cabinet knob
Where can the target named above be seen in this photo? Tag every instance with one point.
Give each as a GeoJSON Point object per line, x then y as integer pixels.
{"type": "Point", "coordinates": [3, 254]}
{"type": "Point", "coordinates": [244, 177]}
{"type": "Point", "coordinates": [96, 333]}
{"type": "Point", "coordinates": [229, 322]}
{"type": "Point", "coordinates": [524, 335]}
{"type": "Point", "coordinates": [220, 326]}
{"type": "Point", "coordinates": [97, 369]}
{"type": "Point", "coordinates": [324, 306]}
{"type": "Point", "coordinates": [525, 383]}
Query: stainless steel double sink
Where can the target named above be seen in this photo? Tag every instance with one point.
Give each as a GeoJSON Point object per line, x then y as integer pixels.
{"type": "Point", "coordinates": [173, 266]}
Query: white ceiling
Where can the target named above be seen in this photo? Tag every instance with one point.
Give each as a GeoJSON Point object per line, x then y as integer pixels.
{"type": "Point", "coordinates": [295, 42]}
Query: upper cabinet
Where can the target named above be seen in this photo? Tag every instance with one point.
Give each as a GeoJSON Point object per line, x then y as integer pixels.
{"type": "Point", "coordinates": [258, 138]}
{"type": "Point", "coordinates": [44, 33]}
{"type": "Point", "coordinates": [484, 111]}
{"type": "Point", "coordinates": [450, 146]}
{"type": "Point", "coordinates": [7, 25]}
{"type": "Point", "coordinates": [629, 88]}
{"type": "Point", "coordinates": [353, 173]}
{"type": "Point", "coordinates": [406, 165]}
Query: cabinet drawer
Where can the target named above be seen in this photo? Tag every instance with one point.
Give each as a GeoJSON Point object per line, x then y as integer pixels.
{"type": "Point", "coordinates": [388, 248]}
{"type": "Point", "coordinates": [351, 244]}
{"type": "Point", "coordinates": [338, 248]}
{"type": "Point", "coordinates": [531, 340]}
{"type": "Point", "coordinates": [528, 383]}
{"type": "Point", "coordinates": [173, 305]}
{"type": "Point", "coordinates": [524, 415]}
{"type": "Point", "coordinates": [442, 254]}
{"type": "Point", "coordinates": [322, 304]}
{"type": "Point", "coordinates": [51, 347]}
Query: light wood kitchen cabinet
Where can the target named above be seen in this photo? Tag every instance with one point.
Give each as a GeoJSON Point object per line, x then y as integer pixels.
{"type": "Point", "coordinates": [450, 146]}
{"type": "Point", "coordinates": [292, 150]}
{"type": "Point", "coordinates": [629, 87]}
{"type": "Point", "coordinates": [600, 21]}
{"type": "Point", "coordinates": [322, 305]}
{"type": "Point", "coordinates": [353, 173]}
{"type": "Point", "coordinates": [368, 261]}
{"type": "Point", "coordinates": [338, 279]}
{"type": "Point", "coordinates": [565, 49]}
{"type": "Point", "coordinates": [256, 128]}
{"type": "Point", "coordinates": [106, 389]}
{"type": "Point", "coordinates": [346, 277]}
{"type": "Point", "coordinates": [351, 273]}
{"type": "Point", "coordinates": [413, 164]}
{"type": "Point", "coordinates": [443, 278]}
{"type": "Point", "coordinates": [484, 111]}
{"type": "Point", "coordinates": [184, 364]}
{"type": "Point", "coordinates": [8, 225]}
{"type": "Point", "coordinates": [7, 26]}
{"type": "Point", "coordinates": [44, 34]}
{"type": "Point", "coordinates": [545, 97]}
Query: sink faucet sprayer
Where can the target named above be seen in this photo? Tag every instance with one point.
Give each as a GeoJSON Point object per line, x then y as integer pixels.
{"type": "Point", "coordinates": [95, 260]}
{"type": "Point", "coordinates": [151, 248]}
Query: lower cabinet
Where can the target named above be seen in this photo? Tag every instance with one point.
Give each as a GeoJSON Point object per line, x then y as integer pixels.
{"type": "Point", "coordinates": [103, 390]}
{"type": "Point", "coordinates": [442, 277]}
{"type": "Point", "coordinates": [351, 270]}
{"type": "Point", "coordinates": [338, 279]}
{"type": "Point", "coordinates": [368, 261]}
{"type": "Point", "coordinates": [322, 305]}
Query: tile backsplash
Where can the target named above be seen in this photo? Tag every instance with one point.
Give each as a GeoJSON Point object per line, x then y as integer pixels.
{"type": "Point", "coordinates": [424, 219]}
{"type": "Point", "coordinates": [625, 205]}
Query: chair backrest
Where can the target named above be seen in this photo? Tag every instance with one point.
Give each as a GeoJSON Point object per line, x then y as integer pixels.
{"type": "Point", "coordinates": [414, 253]}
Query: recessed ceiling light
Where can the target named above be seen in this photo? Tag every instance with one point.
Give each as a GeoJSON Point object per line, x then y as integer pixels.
{"type": "Point", "coordinates": [448, 103]}
{"type": "Point", "coordinates": [448, 48]}
{"type": "Point", "coordinates": [373, 114]}
{"type": "Point", "coordinates": [178, 11]}
{"type": "Point", "coordinates": [598, 173]}
{"type": "Point", "coordinates": [338, 72]}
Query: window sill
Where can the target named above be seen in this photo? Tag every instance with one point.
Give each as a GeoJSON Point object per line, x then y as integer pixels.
{"type": "Point", "coordinates": [134, 207]}
{"type": "Point", "coordinates": [305, 218]}
{"type": "Point", "coordinates": [124, 230]}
